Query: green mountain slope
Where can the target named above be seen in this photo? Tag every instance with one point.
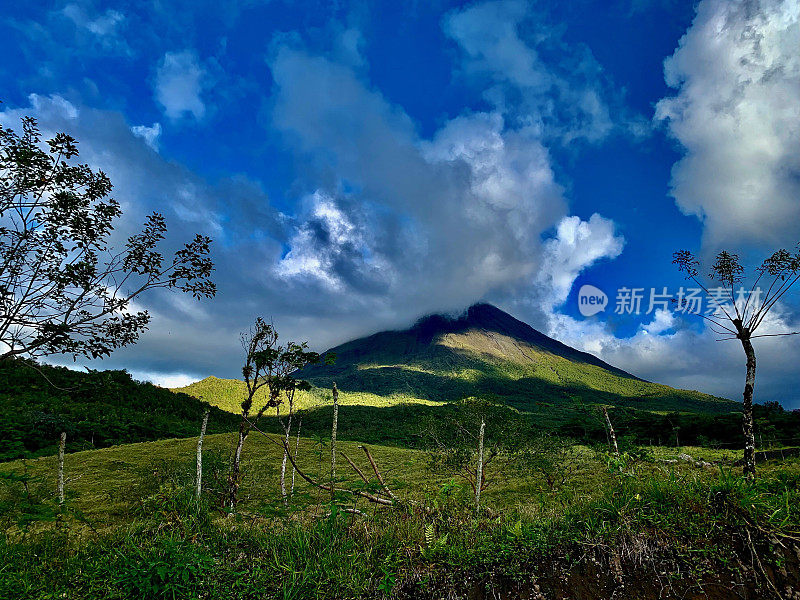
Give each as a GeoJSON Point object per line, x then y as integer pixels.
{"type": "Point", "coordinates": [486, 352]}
{"type": "Point", "coordinates": [97, 409]}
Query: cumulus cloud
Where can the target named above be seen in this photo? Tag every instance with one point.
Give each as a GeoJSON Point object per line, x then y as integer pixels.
{"type": "Point", "coordinates": [737, 115]}
{"type": "Point", "coordinates": [330, 246]}
{"type": "Point", "coordinates": [387, 225]}
{"type": "Point", "coordinates": [577, 245]}
{"type": "Point", "coordinates": [180, 80]}
{"type": "Point", "coordinates": [445, 221]}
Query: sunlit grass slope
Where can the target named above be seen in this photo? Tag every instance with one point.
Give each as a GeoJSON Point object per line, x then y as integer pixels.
{"type": "Point", "coordinates": [106, 484]}
{"type": "Point", "coordinates": [486, 352]}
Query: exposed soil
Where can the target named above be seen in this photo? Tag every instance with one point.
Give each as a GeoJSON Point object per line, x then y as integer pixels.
{"type": "Point", "coordinates": [638, 570]}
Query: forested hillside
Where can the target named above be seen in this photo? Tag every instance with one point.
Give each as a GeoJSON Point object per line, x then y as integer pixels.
{"type": "Point", "coordinates": [96, 409]}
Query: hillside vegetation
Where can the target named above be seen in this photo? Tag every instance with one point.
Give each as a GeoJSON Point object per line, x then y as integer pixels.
{"type": "Point", "coordinates": [96, 409]}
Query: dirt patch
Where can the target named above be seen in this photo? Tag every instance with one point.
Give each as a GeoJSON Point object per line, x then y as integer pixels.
{"type": "Point", "coordinates": [639, 569]}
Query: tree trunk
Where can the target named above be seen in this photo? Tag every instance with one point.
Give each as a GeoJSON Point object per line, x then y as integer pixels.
{"type": "Point", "coordinates": [479, 470]}
{"type": "Point", "coordinates": [62, 443]}
{"type": "Point", "coordinates": [747, 409]}
{"type": "Point", "coordinates": [199, 480]}
{"type": "Point", "coordinates": [333, 440]}
{"type": "Point", "coordinates": [296, 448]}
{"type": "Point", "coordinates": [236, 470]}
{"type": "Point", "coordinates": [611, 434]}
{"type": "Point", "coordinates": [288, 431]}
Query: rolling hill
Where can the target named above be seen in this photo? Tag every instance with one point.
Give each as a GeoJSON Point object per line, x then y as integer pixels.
{"type": "Point", "coordinates": [96, 409]}
{"type": "Point", "coordinates": [484, 352]}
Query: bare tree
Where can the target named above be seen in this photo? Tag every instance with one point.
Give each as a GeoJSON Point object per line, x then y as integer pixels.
{"type": "Point", "coordinates": [296, 449]}
{"type": "Point", "coordinates": [612, 435]}
{"type": "Point", "coordinates": [62, 443]}
{"type": "Point", "coordinates": [479, 469]}
{"type": "Point", "coordinates": [199, 479]}
{"type": "Point", "coordinates": [290, 387]}
{"type": "Point", "coordinates": [739, 313]}
{"type": "Point", "coordinates": [63, 288]}
{"type": "Point", "coordinates": [467, 443]}
{"type": "Point", "coordinates": [384, 497]}
{"type": "Point", "coordinates": [334, 428]}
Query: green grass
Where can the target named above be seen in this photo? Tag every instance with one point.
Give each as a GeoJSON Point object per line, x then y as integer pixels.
{"type": "Point", "coordinates": [147, 538]}
{"type": "Point", "coordinates": [106, 484]}
{"type": "Point", "coordinates": [228, 394]}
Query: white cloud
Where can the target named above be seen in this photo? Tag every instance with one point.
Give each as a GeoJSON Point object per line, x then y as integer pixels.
{"type": "Point", "coordinates": [53, 107]}
{"type": "Point", "coordinates": [446, 221]}
{"type": "Point", "coordinates": [149, 134]}
{"type": "Point", "coordinates": [166, 380]}
{"type": "Point", "coordinates": [180, 80]}
{"type": "Point", "coordinates": [327, 244]}
{"type": "Point", "coordinates": [737, 114]}
{"type": "Point", "coordinates": [103, 25]}
{"type": "Point", "coordinates": [669, 350]}
{"type": "Point", "coordinates": [577, 245]}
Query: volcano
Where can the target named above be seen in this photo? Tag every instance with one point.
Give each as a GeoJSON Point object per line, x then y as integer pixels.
{"type": "Point", "coordinates": [487, 352]}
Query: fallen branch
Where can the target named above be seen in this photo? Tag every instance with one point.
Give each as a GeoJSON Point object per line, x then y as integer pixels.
{"type": "Point", "coordinates": [377, 473]}
{"type": "Point", "coordinates": [328, 488]}
{"type": "Point", "coordinates": [355, 468]}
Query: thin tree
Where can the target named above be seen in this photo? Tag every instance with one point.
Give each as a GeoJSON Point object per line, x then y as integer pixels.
{"type": "Point", "coordinates": [268, 367]}
{"type": "Point", "coordinates": [290, 387]}
{"type": "Point", "coordinates": [738, 313]}
{"type": "Point", "coordinates": [612, 435]}
{"type": "Point", "coordinates": [479, 471]}
{"type": "Point", "coordinates": [62, 443]}
{"type": "Point", "coordinates": [296, 449]}
{"type": "Point", "coordinates": [334, 428]}
{"type": "Point", "coordinates": [199, 477]}
{"type": "Point", "coordinates": [63, 288]}
{"type": "Point", "coordinates": [467, 442]}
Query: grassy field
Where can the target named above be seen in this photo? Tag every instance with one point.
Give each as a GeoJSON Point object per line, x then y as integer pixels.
{"type": "Point", "coordinates": [105, 485]}
{"type": "Point", "coordinates": [227, 394]}
{"type": "Point", "coordinates": [131, 528]}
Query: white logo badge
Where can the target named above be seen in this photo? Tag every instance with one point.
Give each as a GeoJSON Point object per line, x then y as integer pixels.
{"type": "Point", "coordinates": [591, 300]}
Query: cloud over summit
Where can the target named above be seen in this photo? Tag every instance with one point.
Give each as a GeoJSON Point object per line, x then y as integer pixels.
{"type": "Point", "coordinates": [737, 115]}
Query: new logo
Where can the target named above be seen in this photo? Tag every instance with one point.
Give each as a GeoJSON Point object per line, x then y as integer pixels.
{"type": "Point", "coordinates": [591, 300]}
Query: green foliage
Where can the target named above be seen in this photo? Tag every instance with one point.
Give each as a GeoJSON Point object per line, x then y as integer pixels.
{"type": "Point", "coordinates": [163, 543]}
{"type": "Point", "coordinates": [96, 409]}
{"type": "Point", "coordinates": [701, 521]}
{"type": "Point", "coordinates": [167, 567]}
{"type": "Point", "coordinates": [63, 288]}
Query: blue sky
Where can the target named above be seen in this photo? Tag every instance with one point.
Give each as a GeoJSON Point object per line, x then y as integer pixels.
{"type": "Point", "coordinates": [360, 164]}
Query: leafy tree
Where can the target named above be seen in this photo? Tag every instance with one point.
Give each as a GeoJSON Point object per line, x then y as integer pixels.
{"type": "Point", "coordinates": [63, 288]}
{"type": "Point", "coordinates": [739, 313]}
{"type": "Point", "coordinates": [268, 367]}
